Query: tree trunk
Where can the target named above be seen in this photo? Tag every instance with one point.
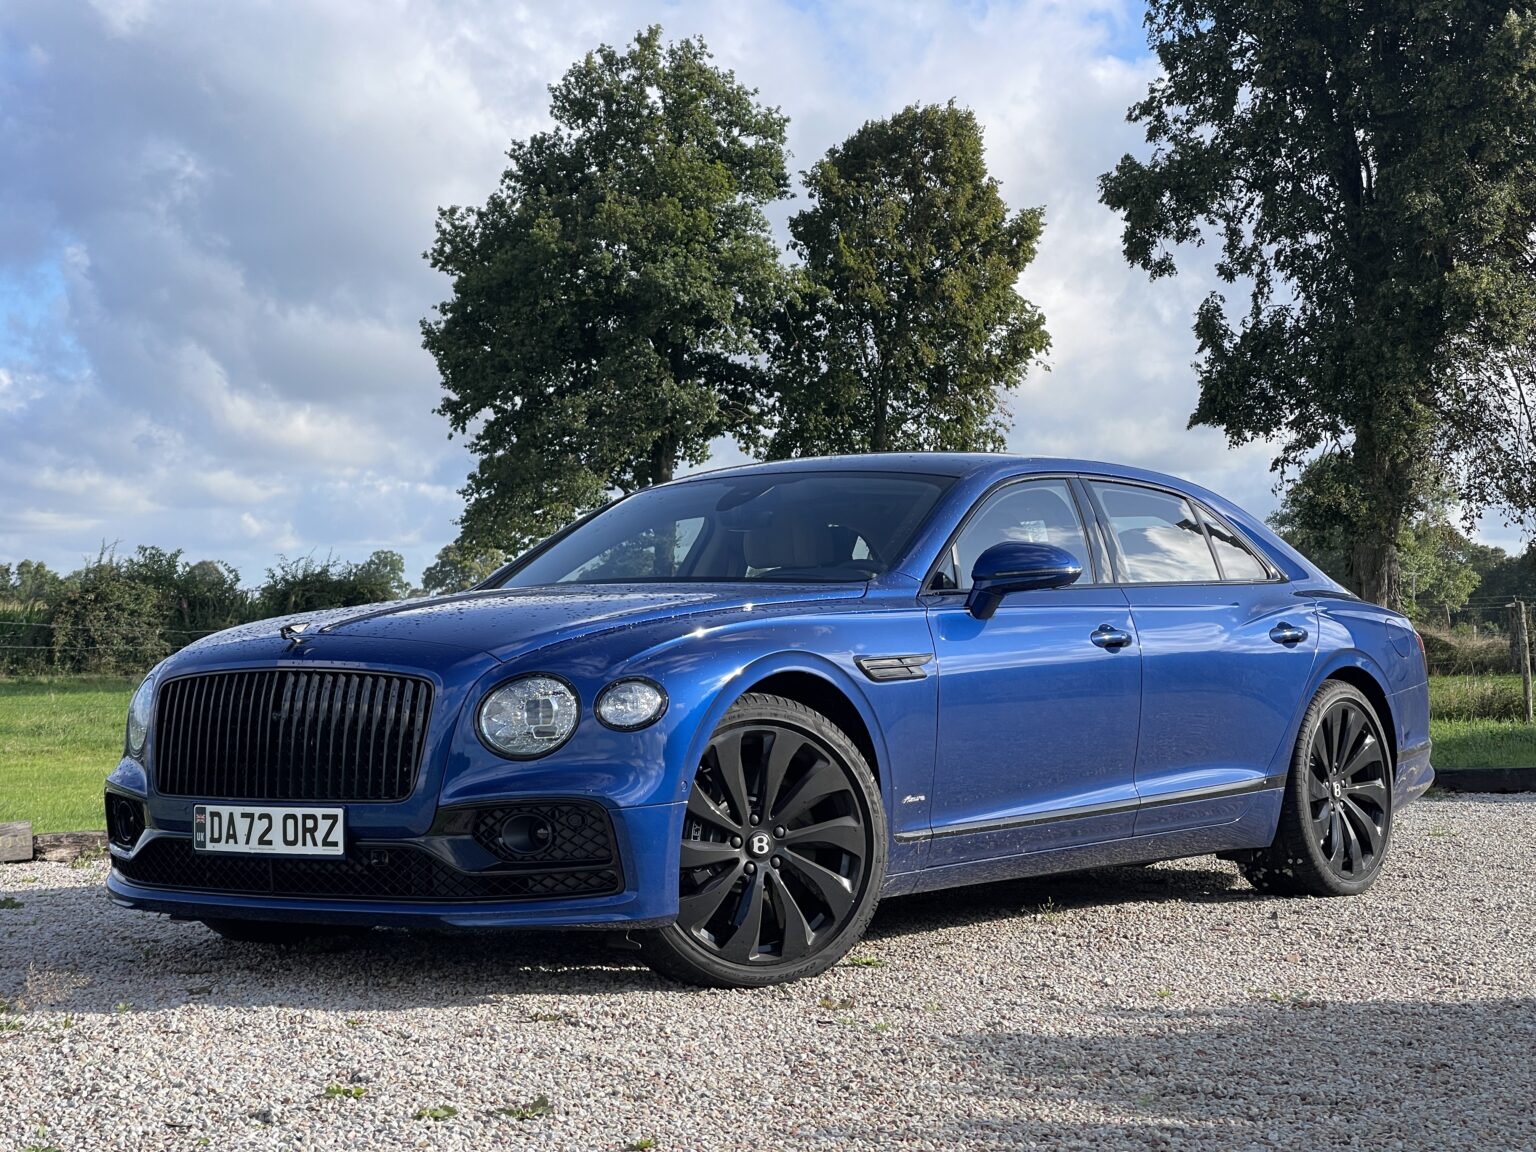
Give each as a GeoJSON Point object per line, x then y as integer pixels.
{"type": "Point", "coordinates": [1385, 477]}
{"type": "Point", "coordinates": [877, 433]}
{"type": "Point", "coordinates": [1378, 577]}
{"type": "Point", "coordinates": [663, 459]}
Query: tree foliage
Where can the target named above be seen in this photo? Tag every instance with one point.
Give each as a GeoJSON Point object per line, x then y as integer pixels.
{"type": "Point", "coordinates": [110, 621]}
{"type": "Point", "coordinates": [607, 297]}
{"type": "Point", "coordinates": [198, 597]}
{"type": "Point", "coordinates": [30, 582]}
{"type": "Point", "coordinates": [1441, 567]}
{"type": "Point", "coordinates": [905, 330]}
{"type": "Point", "coordinates": [122, 614]}
{"type": "Point", "coordinates": [1370, 174]}
{"type": "Point", "coordinates": [458, 567]}
{"type": "Point", "coordinates": [306, 584]}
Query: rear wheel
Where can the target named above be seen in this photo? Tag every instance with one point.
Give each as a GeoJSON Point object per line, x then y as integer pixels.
{"type": "Point", "coordinates": [278, 932]}
{"type": "Point", "coordinates": [783, 851]}
{"type": "Point", "coordinates": [1336, 820]}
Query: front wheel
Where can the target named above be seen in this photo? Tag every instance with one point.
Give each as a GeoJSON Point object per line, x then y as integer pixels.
{"type": "Point", "coordinates": [1336, 819]}
{"type": "Point", "coordinates": [783, 851]}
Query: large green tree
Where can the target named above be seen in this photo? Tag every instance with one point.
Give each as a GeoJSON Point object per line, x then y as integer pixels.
{"type": "Point", "coordinates": [1369, 170]}
{"type": "Point", "coordinates": [457, 568]}
{"type": "Point", "coordinates": [607, 297]}
{"type": "Point", "coordinates": [1322, 515]}
{"type": "Point", "coordinates": [906, 329]}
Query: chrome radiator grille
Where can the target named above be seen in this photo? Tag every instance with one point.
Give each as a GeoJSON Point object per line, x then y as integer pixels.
{"type": "Point", "coordinates": [291, 734]}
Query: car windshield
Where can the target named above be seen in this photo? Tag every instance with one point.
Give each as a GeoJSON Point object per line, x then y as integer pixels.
{"type": "Point", "coordinates": [785, 526]}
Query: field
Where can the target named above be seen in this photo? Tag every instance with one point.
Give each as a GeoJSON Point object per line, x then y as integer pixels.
{"type": "Point", "coordinates": [59, 738]}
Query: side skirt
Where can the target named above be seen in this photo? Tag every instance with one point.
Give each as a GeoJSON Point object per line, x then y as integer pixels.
{"type": "Point", "coordinates": [1254, 829]}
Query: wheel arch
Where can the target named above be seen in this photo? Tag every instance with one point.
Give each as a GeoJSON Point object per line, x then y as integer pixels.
{"type": "Point", "coordinates": [814, 682]}
{"type": "Point", "coordinates": [1360, 678]}
{"type": "Point", "coordinates": [832, 702]}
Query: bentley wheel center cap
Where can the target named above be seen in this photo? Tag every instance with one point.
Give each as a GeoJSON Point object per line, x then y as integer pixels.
{"type": "Point", "coordinates": [760, 844]}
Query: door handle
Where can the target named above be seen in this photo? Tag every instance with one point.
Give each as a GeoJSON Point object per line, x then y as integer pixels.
{"type": "Point", "coordinates": [1106, 637]}
{"type": "Point", "coordinates": [1283, 633]}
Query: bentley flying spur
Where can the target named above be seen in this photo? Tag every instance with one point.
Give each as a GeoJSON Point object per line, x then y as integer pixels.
{"type": "Point", "coordinates": [723, 717]}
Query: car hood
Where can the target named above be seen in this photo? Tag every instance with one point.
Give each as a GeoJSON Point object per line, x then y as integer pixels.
{"type": "Point", "coordinates": [509, 622]}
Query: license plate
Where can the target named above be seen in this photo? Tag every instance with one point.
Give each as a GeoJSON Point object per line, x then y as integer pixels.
{"type": "Point", "coordinates": [269, 831]}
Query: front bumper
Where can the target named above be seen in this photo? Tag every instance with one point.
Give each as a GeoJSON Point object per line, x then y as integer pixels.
{"type": "Point", "coordinates": [648, 897]}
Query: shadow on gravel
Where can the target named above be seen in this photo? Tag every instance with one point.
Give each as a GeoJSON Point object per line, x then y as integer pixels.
{"type": "Point", "coordinates": [957, 907]}
{"type": "Point", "coordinates": [1298, 1074]}
{"type": "Point", "coordinates": [68, 950]}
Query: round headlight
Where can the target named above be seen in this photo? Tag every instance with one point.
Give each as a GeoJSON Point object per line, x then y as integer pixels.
{"type": "Point", "coordinates": [140, 709]}
{"type": "Point", "coordinates": [630, 704]}
{"type": "Point", "coordinates": [529, 717]}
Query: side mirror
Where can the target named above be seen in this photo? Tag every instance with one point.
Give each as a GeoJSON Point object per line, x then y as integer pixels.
{"type": "Point", "coordinates": [1017, 566]}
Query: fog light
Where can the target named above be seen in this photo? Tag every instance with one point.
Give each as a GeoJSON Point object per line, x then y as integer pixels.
{"type": "Point", "coordinates": [525, 834]}
{"type": "Point", "coordinates": [125, 820]}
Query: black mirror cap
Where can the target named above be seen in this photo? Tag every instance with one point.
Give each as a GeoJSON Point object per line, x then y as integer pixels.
{"type": "Point", "coordinates": [1017, 566]}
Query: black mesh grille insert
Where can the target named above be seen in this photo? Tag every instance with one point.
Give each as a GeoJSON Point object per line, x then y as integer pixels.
{"type": "Point", "coordinates": [291, 734]}
{"type": "Point", "coordinates": [394, 873]}
{"type": "Point", "coordinates": [578, 833]}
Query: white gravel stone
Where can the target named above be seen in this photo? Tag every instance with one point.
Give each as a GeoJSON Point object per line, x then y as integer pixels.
{"type": "Point", "coordinates": [1142, 1008]}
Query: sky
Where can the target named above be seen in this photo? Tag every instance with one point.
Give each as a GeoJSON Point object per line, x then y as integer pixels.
{"type": "Point", "coordinates": [212, 220]}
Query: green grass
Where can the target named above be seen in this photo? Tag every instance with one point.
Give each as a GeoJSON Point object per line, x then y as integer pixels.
{"type": "Point", "coordinates": [1483, 744]}
{"type": "Point", "coordinates": [58, 740]}
{"type": "Point", "coordinates": [1484, 697]}
{"type": "Point", "coordinates": [1478, 722]}
{"type": "Point", "coordinates": [60, 737]}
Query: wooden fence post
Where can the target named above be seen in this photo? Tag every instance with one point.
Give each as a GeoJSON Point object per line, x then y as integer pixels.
{"type": "Point", "coordinates": [1520, 629]}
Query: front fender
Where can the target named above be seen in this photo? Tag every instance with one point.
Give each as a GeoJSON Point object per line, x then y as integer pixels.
{"type": "Point", "coordinates": [744, 678]}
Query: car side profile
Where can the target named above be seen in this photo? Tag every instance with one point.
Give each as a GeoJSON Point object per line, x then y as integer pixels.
{"type": "Point", "coordinates": [725, 716]}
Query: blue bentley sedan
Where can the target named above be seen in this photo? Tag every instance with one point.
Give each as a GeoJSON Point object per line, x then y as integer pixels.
{"type": "Point", "coordinates": [727, 715]}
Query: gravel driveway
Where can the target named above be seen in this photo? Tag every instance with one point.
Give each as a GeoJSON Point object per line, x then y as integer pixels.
{"type": "Point", "coordinates": [1163, 1007]}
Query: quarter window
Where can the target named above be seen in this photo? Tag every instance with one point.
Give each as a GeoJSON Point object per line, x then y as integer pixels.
{"type": "Point", "coordinates": [1160, 538]}
{"type": "Point", "coordinates": [1237, 562]}
{"type": "Point", "coordinates": [1037, 511]}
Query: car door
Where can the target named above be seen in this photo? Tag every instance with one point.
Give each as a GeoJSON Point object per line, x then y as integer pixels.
{"type": "Point", "coordinates": [1038, 705]}
{"type": "Point", "coordinates": [1226, 649]}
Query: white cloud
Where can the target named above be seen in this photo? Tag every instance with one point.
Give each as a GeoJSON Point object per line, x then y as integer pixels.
{"type": "Point", "coordinates": [229, 203]}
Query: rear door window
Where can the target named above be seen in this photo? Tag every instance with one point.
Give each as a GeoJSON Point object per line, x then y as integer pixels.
{"type": "Point", "coordinates": [1160, 538]}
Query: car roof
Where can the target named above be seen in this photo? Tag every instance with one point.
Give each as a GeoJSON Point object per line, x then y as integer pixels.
{"type": "Point", "coordinates": [987, 465]}
{"type": "Point", "coordinates": [976, 472]}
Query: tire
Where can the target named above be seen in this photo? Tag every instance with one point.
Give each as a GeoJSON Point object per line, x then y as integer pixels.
{"type": "Point", "coordinates": [278, 932]}
{"type": "Point", "coordinates": [1336, 819]}
{"type": "Point", "coordinates": [783, 854]}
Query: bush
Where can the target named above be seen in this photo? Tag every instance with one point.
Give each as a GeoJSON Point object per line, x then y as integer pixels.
{"type": "Point", "coordinates": [1476, 698]}
{"type": "Point", "coordinates": [307, 584]}
{"type": "Point", "coordinates": [1461, 654]}
{"type": "Point", "coordinates": [109, 622]}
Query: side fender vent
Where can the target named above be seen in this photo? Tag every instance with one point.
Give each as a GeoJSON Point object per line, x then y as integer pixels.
{"type": "Point", "coordinates": [884, 668]}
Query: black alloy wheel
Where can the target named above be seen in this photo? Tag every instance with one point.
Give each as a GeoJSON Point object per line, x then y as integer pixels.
{"type": "Point", "coordinates": [783, 851]}
{"type": "Point", "coordinates": [1336, 819]}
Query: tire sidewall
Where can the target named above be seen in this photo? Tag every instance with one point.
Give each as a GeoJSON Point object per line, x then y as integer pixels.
{"type": "Point", "coordinates": [673, 950]}
{"type": "Point", "coordinates": [1296, 810]}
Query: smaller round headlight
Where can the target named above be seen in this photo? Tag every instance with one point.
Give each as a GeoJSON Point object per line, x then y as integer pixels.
{"type": "Point", "coordinates": [630, 704]}
{"type": "Point", "coordinates": [529, 717]}
{"type": "Point", "coordinates": [140, 708]}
